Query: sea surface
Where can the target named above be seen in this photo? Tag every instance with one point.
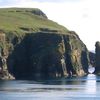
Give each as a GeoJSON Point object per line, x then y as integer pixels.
{"type": "Point", "coordinates": [74, 88]}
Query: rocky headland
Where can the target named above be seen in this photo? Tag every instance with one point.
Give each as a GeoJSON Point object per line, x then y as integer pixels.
{"type": "Point", "coordinates": [34, 47]}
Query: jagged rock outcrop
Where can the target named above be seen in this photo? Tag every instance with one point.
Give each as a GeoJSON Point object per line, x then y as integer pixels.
{"type": "Point", "coordinates": [4, 74]}
{"type": "Point", "coordinates": [38, 48]}
{"type": "Point", "coordinates": [97, 57]}
{"type": "Point", "coordinates": [77, 55]}
{"type": "Point", "coordinates": [48, 55]}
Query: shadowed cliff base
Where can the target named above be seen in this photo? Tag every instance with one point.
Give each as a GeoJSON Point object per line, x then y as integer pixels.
{"type": "Point", "coordinates": [42, 56]}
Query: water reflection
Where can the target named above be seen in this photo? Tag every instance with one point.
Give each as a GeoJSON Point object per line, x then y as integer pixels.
{"type": "Point", "coordinates": [91, 84]}
{"type": "Point", "coordinates": [74, 88]}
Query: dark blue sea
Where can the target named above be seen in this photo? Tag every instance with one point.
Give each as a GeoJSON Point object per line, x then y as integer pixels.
{"type": "Point", "coordinates": [74, 88]}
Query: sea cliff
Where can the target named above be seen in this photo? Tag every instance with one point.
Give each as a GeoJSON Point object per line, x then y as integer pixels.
{"type": "Point", "coordinates": [34, 47]}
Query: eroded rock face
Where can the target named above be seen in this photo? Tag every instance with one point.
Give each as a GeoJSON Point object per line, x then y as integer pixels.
{"type": "Point", "coordinates": [4, 73]}
{"type": "Point", "coordinates": [76, 55]}
{"type": "Point", "coordinates": [48, 55]}
{"type": "Point", "coordinates": [97, 57]}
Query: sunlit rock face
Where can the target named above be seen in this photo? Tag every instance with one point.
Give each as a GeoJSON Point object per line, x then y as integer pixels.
{"type": "Point", "coordinates": [97, 50]}
{"type": "Point", "coordinates": [48, 55]}
{"type": "Point", "coordinates": [4, 73]}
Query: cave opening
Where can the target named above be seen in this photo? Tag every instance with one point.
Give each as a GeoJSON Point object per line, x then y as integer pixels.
{"type": "Point", "coordinates": [91, 69]}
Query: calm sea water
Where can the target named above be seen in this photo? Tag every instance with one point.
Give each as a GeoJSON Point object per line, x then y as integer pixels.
{"type": "Point", "coordinates": [85, 88]}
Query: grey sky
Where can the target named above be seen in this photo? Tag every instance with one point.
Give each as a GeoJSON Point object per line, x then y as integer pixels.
{"type": "Point", "coordinates": [11, 2]}
{"type": "Point", "coordinates": [57, 0]}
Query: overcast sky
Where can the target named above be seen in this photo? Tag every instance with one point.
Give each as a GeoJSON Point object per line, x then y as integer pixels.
{"type": "Point", "coordinates": [82, 16]}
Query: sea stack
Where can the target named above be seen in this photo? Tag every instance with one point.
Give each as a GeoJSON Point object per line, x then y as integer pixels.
{"type": "Point", "coordinates": [97, 57]}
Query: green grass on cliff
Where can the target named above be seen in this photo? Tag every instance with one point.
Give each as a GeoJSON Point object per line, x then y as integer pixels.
{"type": "Point", "coordinates": [22, 20]}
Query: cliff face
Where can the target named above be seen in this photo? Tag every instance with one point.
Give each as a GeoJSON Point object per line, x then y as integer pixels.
{"type": "Point", "coordinates": [43, 55]}
{"type": "Point", "coordinates": [40, 48]}
{"type": "Point", "coordinates": [4, 73]}
{"type": "Point", "coordinates": [76, 55]}
{"type": "Point", "coordinates": [97, 57]}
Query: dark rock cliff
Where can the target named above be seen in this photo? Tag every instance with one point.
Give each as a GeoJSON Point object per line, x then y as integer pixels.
{"type": "Point", "coordinates": [48, 55]}
{"type": "Point", "coordinates": [92, 58]}
{"type": "Point", "coordinates": [97, 57]}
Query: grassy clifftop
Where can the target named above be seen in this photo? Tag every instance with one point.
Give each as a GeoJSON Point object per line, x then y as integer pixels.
{"type": "Point", "coordinates": [26, 20]}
